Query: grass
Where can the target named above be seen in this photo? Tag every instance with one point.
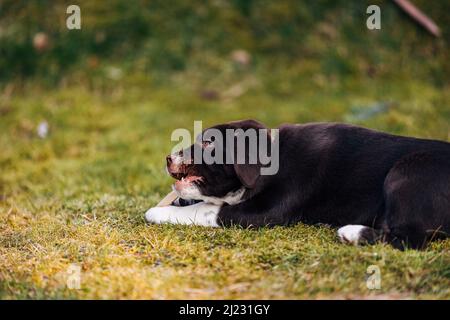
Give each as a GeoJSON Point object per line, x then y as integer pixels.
{"type": "Point", "coordinates": [112, 94]}
{"type": "Point", "coordinates": [78, 196]}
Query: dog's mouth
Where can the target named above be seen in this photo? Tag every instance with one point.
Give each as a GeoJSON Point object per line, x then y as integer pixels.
{"type": "Point", "coordinates": [184, 176]}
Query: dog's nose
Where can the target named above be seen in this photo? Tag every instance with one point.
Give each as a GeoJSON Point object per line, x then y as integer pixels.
{"type": "Point", "coordinates": [169, 160]}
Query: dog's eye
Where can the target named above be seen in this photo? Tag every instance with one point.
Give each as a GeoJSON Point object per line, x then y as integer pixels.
{"type": "Point", "coordinates": [206, 143]}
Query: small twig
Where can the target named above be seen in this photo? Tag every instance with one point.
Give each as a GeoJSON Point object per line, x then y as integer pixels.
{"type": "Point", "coordinates": [419, 17]}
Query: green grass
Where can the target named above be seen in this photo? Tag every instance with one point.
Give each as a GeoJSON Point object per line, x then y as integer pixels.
{"type": "Point", "coordinates": [112, 94]}
{"type": "Point", "coordinates": [79, 195]}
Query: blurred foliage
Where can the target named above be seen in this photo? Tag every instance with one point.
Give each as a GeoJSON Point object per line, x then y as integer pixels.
{"type": "Point", "coordinates": [151, 36]}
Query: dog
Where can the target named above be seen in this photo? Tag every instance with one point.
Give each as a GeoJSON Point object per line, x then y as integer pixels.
{"type": "Point", "coordinates": [371, 185]}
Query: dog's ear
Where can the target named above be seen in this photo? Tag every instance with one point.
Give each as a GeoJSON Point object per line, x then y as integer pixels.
{"type": "Point", "coordinates": [248, 174]}
{"type": "Point", "coordinates": [248, 167]}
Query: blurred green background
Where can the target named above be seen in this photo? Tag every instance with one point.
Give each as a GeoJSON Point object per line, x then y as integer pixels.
{"type": "Point", "coordinates": [85, 123]}
{"type": "Point", "coordinates": [155, 37]}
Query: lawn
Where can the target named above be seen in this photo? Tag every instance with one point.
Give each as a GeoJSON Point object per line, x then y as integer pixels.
{"type": "Point", "coordinates": [77, 196]}
{"type": "Point", "coordinates": [112, 93]}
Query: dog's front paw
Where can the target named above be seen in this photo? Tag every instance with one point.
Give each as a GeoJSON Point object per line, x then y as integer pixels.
{"type": "Point", "coordinates": [156, 215]}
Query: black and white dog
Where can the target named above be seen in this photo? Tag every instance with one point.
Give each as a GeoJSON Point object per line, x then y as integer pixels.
{"type": "Point", "coordinates": [373, 185]}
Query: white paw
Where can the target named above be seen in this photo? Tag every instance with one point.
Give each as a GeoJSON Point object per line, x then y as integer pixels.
{"type": "Point", "coordinates": [201, 214]}
{"type": "Point", "coordinates": [156, 215]}
{"type": "Point", "coordinates": [350, 233]}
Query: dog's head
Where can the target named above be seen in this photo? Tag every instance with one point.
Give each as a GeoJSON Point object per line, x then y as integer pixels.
{"type": "Point", "coordinates": [220, 163]}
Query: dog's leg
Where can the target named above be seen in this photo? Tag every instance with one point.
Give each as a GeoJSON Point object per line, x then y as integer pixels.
{"type": "Point", "coordinates": [261, 211]}
{"type": "Point", "coordinates": [417, 196]}
{"type": "Point", "coordinates": [201, 214]}
{"type": "Point", "coordinates": [358, 234]}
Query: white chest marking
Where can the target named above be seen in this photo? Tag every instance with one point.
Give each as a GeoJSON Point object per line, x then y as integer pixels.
{"type": "Point", "coordinates": [230, 198]}
{"type": "Point", "coordinates": [193, 193]}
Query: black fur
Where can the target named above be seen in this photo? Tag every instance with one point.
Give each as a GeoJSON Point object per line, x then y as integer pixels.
{"type": "Point", "coordinates": [341, 174]}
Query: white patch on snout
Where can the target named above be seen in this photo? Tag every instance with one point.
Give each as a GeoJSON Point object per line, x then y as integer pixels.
{"type": "Point", "coordinates": [177, 159]}
{"type": "Point", "coordinates": [350, 233]}
{"type": "Point", "coordinates": [200, 214]}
